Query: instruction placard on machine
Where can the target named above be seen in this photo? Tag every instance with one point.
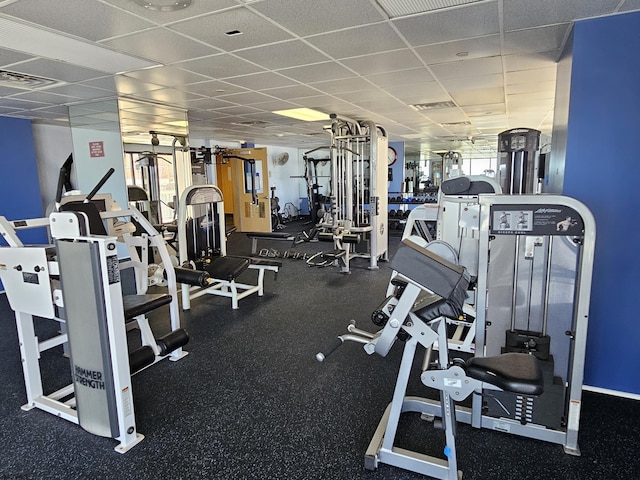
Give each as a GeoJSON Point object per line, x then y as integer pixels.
{"type": "Point", "coordinates": [535, 219]}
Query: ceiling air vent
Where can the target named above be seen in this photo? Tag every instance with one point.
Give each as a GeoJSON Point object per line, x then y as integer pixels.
{"type": "Point", "coordinates": [24, 81]}
{"type": "Point", "coordinates": [432, 106]}
{"type": "Point", "coordinates": [401, 8]}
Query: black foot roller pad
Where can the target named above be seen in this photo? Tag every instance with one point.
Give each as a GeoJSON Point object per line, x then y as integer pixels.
{"type": "Point", "coordinates": [140, 358]}
{"type": "Point", "coordinates": [135, 305]}
{"type": "Point", "coordinates": [512, 372]}
{"type": "Point", "coordinates": [172, 341]}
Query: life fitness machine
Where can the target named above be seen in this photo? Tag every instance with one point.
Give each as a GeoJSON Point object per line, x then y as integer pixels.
{"type": "Point", "coordinates": [76, 282]}
{"type": "Point", "coordinates": [357, 224]}
{"type": "Point", "coordinates": [457, 225]}
{"type": "Point", "coordinates": [532, 294]}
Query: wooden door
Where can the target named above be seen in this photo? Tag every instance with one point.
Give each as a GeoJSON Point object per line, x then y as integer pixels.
{"type": "Point", "coordinates": [248, 216]}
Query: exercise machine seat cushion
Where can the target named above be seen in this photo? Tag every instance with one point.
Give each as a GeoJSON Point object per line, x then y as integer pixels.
{"type": "Point", "coordinates": [135, 305]}
{"type": "Point", "coordinates": [433, 307]}
{"type": "Point", "coordinates": [275, 235]}
{"type": "Point", "coordinates": [512, 372]}
{"type": "Point", "coordinates": [226, 268]}
{"type": "Point", "coordinates": [465, 186]}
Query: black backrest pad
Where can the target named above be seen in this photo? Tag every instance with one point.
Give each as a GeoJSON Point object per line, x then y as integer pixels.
{"type": "Point", "coordinates": [432, 271]}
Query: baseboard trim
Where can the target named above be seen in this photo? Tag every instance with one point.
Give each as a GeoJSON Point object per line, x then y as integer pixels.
{"type": "Point", "coordinates": [615, 393]}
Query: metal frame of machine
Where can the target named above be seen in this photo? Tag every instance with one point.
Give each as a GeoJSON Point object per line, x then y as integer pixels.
{"type": "Point", "coordinates": [207, 202]}
{"type": "Point", "coordinates": [358, 194]}
{"type": "Point", "coordinates": [31, 276]}
{"type": "Point", "coordinates": [548, 248]}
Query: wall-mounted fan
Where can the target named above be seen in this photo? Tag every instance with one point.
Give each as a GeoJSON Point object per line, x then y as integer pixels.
{"type": "Point", "coordinates": [281, 159]}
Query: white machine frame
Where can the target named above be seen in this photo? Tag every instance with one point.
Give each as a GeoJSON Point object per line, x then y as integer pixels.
{"type": "Point", "coordinates": [358, 197]}
{"type": "Point", "coordinates": [37, 297]}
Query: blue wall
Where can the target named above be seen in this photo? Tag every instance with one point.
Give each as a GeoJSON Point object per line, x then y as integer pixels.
{"type": "Point", "coordinates": [19, 186]}
{"type": "Point", "coordinates": [601, 170]}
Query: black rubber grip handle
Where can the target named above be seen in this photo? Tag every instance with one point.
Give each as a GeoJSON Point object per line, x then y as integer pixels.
{"type": "Point", "coordinates": [99, 185]}
{"type": "Point", "coordinates": [321, 356]}
{"type": "Point", "coordinates": [60, 184]}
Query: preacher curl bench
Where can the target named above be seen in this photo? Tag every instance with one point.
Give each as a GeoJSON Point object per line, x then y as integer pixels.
{"type": "Point", "coordinates": [428, 291]}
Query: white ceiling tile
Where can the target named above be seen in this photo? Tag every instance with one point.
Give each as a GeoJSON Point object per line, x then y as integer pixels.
{"type": "Point", "coordinates": [358, 41]}
{"type": "Point", "coordinates": [274, 105]}
{"type": "Point", "coordinates": [318, 72]}
{"type": "Point", "coordinates": [629, 5]}
{"type": "Point", "coordinates": [6, 91]}
{"type": "Point", "coordinates": [56, 70]}
{"type": "Point", "coordinates": [413, 76]}
{"type": "Point", "coordinates": [485, 110]}
{"type": "Point", "coordinates": [196, 8]}
{"type": "Point", "coordinates": [7, 57]}
{"type": "Point", "coordinates": [212, 88]}
{"type": "Point", "coordinates": [319, 16]}
{"type": "Point", "coordinates": [448, 52]}
{"type": "Point", "coordinates": [208, 103]}
{"type": "Point", "coordinates": [127, 85]}
{"type": "Point", "coordinates": [44, 97]}
{"type": "Point", "coordinates": [105, 83]}
{"type": "Point", "coordinates": [468, 68]}
{"type": "Point", "coordinates": [475, 82]}
{"type": "Point", "coordinates": [531, 87]}
{"type": "Point", "coordinates": [343, 86]}
{"type": "Point", "coordinates": [212, 29]}
{"type": "Point", "coordinates": [77, 17]}
{"type": "Point", "coordinates": [80, 91]}
{"type": "Point", "coordinates": [246, 98]}
{"type": "Point", "coordinates": [169, 96]}
{"type": "Point", "coordinates": [533, 75]}
{"type": "Point", "coordinates": [445, 115]}
{"type": "Point", "coordinates": [236, 110]}
{"type": "Point", "coordinates": [528, 61]}
{"type": "Point", "coordinates": [293, 91]}
{"type": "Point", "coordinates": [383, 62]}
{"type": "Point", "coordinates": [475, 20]}
{"type": "Point", "coordinates": [282, 55]}
{"type": "Point", "coordinates": [535, 39]}
{"type": "Point", "coordinates": [161, 45]}
{"type": "Point", "coordinates": [168, 76]}
{"type": "Point", "coordinates": [261, 81]}
{"type": "Point", "coordinates": [526, 14]}
{"type": "Point", "coordinates": [419, 93]}
{"type": "Point", "coordinates": [370, 95]}
{"type": "Point", "coordinates": [220, 66]}
{"type": "Point", "coordinates": [483, 96]}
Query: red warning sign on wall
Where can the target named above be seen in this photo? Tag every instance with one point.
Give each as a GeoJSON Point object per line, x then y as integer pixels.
{"type": "Point", "coordinates": [96, 149]}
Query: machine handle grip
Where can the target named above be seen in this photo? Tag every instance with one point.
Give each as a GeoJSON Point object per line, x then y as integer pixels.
{"type": "Point", "coordinates": [60, 185]}
{"type": "Point", "coordinates": [99, 185]}
{"type": "Point", "coordinates": [337, 342]}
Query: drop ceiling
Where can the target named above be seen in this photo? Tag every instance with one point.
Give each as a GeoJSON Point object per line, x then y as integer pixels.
{"type": "Point", "coordinates": [489, 65]}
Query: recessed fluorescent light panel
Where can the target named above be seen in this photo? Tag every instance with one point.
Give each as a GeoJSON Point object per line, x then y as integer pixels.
{"type": "Point", "coordinates": [163, 5]}
{"type": "Point", "coordinates": [432, 106]}
{"type": "Point", "coordinates": [43, 43]}
{"type": "Point", "coordinates": [305, 114]}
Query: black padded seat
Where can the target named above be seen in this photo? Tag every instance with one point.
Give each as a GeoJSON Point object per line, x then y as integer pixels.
{"type": "Point", "coordinates": [275, 235]}
{"type": "Point", "coordinates": [226, 268]}
{"type": "Point", "coordinates": [264, 261]}
{"type": "Point", "coordinates": [135, 305]}
{"type": "Point", "coordinates": [430, 307]}
{"type": "Point", "coordinates": [512, 372]}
